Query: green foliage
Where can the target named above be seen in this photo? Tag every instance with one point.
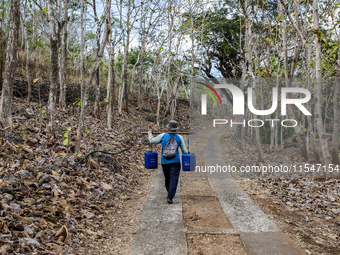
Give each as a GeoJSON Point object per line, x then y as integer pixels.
{"type": "Point", "coordinates": [65, 142]}
{"type": "Point", "coordinates": [221, 34]}
{"type": "Point", "coordinates": [329, 48]}
{"type": "Point", "coordinates": [132, 60]}
{"type": "Point", "coordinates": [78, 101]}
{"type": "Point", "coordinates": [24, 132]}
{"type": "Point", "coordinates": [265, 131]}
{"type": "Point", "coordinates": [42, 110]}
{"type": "Point", "coordinates": [133, 57]}
{"type": "Point", "coordinates": [92, 98]}
{"type": "Point", "coordinates": [90, 36]}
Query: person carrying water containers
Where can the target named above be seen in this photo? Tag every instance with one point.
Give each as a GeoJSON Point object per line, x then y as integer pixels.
{"type": "Point", "coordinates": [170, 159]}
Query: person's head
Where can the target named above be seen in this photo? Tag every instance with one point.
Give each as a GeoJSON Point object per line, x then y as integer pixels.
{"type": "Point", "coordinates": [172, 126]}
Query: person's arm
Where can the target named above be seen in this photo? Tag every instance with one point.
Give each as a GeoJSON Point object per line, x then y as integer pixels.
{"type": "Point", "coordinates": [155, 140]}
{"type": "Point", "coordinates": [182, 145]}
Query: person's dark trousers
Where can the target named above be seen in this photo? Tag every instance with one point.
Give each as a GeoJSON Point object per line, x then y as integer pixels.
{"type": "Point", "coordinates": [171, 173]}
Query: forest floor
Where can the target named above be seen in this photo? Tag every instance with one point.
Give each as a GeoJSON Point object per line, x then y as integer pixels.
{"type": "Point", "coordinates": [95, 208]}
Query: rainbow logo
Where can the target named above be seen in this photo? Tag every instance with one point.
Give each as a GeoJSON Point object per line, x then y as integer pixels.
{"type": "Point", "coordinates": [209, 93]}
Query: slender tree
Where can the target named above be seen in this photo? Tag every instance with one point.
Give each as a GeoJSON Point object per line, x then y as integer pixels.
{"type": "Point", "coordinates": [111, 95]}
{"type": "Point", "coordinates": [289, 74]}
{"type": "Point", "coordinates": [2, 59]}
{"type": "Point", "coordinates": [82, 69]}
{"type": "Point", "coordinates": [150, 15]}
{"type": "Point", "coordinates": [27, 48]}
{"type": "Point", "coordinates": [10, 64]}
{"type": "Point", "coordinates": [245, 5]}
{"type": "Point", "coordinates": [336, 111]}
{"type": "Point", "coordinates": [54, 35]}
{"type": "Point", "coordinates": [126, 53]}
{"type": "Point", "coordinates": [319, 98]}
{"type": "Point", "coordinates": [63, 62]}
{"type": "Point", "coordinates": [93, 71]}
{"type": "Point", "coordinates": [97, 90]}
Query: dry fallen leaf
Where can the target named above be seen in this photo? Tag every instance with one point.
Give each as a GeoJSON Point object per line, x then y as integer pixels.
{"type": "Point", "coordinates": [106, 186]}
{"type": "Point", "coordinates": [62, 233]}
{"type": "Point", "coordinates": [124, 197]}
{"type": "Point", "coordinates": [42, 221]}
{"type": "Point", "coordinates": [3, 249]}
{"type": "Point", "coordinates": [3, 227]}
{"type": "Point", "coordinates": [193, 216]}
{"type": "Point", "coordinates": [54, 173]}
{"type": "Point", "coordinates": [83, 183]}
{"type": "Point", "coordinates": [23, 220]}
{"type": "Point", "coordinates": [28, 181]}
{"type": "Point", "coordinates": [69, 209]}
{"type": "Point", "coordinates": [49, 208]}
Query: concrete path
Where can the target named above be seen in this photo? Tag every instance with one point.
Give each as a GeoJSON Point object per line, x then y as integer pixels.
{"type": "Point", "coordinates": [258, 233]}
{"type": "Point", "coordinates": [161, 229]}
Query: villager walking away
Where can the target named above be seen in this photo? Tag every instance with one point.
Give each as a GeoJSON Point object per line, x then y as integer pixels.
{"type": "Point", "coordinates": [170, 159]}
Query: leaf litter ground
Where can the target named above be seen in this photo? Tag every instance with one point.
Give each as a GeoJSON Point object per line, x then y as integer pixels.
{"type": "Point", "coordinates": [92, 210]}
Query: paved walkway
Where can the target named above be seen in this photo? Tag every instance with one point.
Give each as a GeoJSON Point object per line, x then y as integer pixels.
{"type": "Point", "coordinates": [258, 233]}
{"type": "Point", "coordinates": [161, 229]}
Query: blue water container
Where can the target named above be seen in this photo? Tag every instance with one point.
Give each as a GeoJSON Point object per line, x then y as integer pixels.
{"type": "Point", "coordinates": [189, 162]}
{"type": "Point", "coordinates": [151, 160]}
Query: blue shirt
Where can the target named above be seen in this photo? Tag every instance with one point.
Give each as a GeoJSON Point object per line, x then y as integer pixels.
{"type": "Point", "coordinates": [163, 139]}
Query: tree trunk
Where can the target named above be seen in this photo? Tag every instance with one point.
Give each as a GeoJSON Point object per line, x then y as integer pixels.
{"type": "Point", "coordinates": [63, 66]}
{"type": "Point", "coordinates": [97, 89]}
{"type": "Point", "coordinates": [121, 84]}
{"type": "Point", "coordinates": [93, 71]}
{"type": "Point", "coordinates": [169, 58]}
{"type": "Point", "coordinates": [121, 94]}
{"type": "Point", "coordinates": [310, 130]}
{"type": "Point", "coordinates": [10, 65]}
{"type": "Point", "coordinates": [279, 52]}
{"type": "Point", "coordinates": [53, 83]}
{"type": "Point", "coordinates": [158, 109]}
{"type": "Point", "coordinates": [112, 94]}
{"type": "Point", "coordinates": [298, 132]}
{"type": "Point", "coordinates": [248, 35]}
{"type": "Point", "coordinates": [318, 106]}
{"type": "Point", "coordinates": [97, 95]}
{"type": "Point", "coordinates": [22, 35]}
{"type": "Point", "coordinates": [54, 42]}
{"type": "Point", "coordinates": [140, 92]}
{"type": "Point", "coordinates": [27, 48]}
{"type": "Point", "coordinates": [142, 45]}
{"type": "Point", "coordinates": [126, 54]}
{"type": "Point", "coordinates": [192, 59]}
{"type": "Point", "coordinates": [243, 85]}
{"type": "Point", "coordinates": [336, 110]}
{"type": "Point", "coordinates": [82, 69]}
{"type": "Point", "coordinates": [2, 59]}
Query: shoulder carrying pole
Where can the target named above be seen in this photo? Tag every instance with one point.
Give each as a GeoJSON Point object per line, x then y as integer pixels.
{"type": "Point", "coordinates": [178, 133]}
